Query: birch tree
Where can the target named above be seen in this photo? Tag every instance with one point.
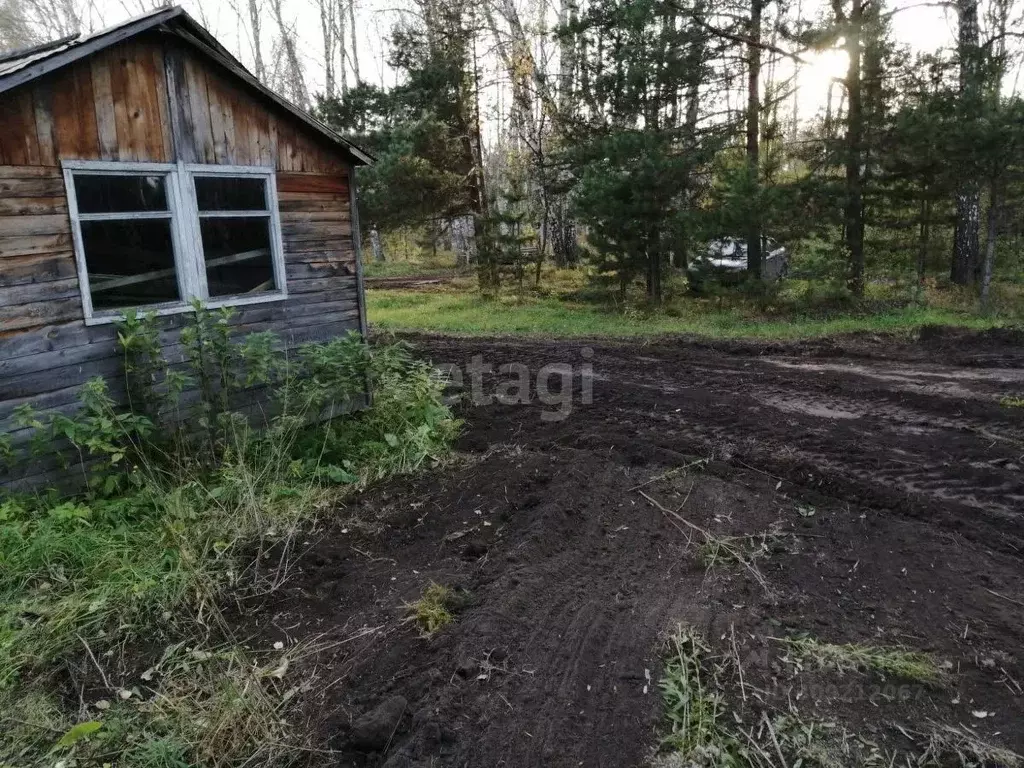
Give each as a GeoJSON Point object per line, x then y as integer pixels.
{"type": "Point", "coordinates": [292, 79]}
{"type": "Point", "coordinates": [754, 135]}
{"type": "Point", "coordinates": [255, 13]}
{"type": "Point", "coordinates": [328, 13]}
{"type": "Point", "coordinates": [999, 16]}
{"type": "Point", "coordinates": [353, 50]}
{"type": "Point", "coordinates": [31, 22]}
{"type": "Point", "coordinates": [968, 194]}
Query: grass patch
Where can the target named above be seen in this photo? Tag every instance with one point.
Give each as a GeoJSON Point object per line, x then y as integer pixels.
{"type": "Point", "coordinates": [407, 253]}
{"type": "Point", "coordinates": [694, 707]}
{"type": "Point", "coordinates": [194, 707]}
{"type": "Point", "coordinates": [1012, 402]}
{"type": "Point", "coordinates": [704, 729]}
{"type": "Point", "coordinates": [74, 569]}
{"type": "Point", "coordinates": [132, 570]}
{"type": "Point", "coordinates": [434, 610]}
{"type": "Point", "coordinates": [466, 313]}
{"type": "Point", "coordinates": [408, 269]}
{"type": "Point", "coordinates": [739, 550]}
{"type": "Point", "coordinates": [858, 657]}
{"type": "Point", "coordinates": [948, 744]}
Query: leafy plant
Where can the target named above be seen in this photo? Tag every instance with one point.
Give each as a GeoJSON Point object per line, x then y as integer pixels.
{"type": "Point", "coordinates": [108, 441]}
{"type": "Point", "coordinates": [432, 611]}
{"type": "Point", "coordinates": [7, 455]}
{"type": "Point", "coordinates": [153, 387]}
{"type": "Point", "coordinates": [694, 707]}
{"type": "Point", "coordinates": [213, 360]}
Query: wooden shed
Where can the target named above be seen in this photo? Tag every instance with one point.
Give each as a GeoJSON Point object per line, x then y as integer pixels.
{"type": "Point", "coordinates": [144, 166]}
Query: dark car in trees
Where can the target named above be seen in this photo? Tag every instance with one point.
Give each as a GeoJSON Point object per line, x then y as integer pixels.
{"type": "Point", "coordinates": [724, 262]}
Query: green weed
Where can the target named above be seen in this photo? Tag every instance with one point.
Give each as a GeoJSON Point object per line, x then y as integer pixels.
{"type": "Point", "coordinates": [704, 728]}
{"type": "Point", "coordinates": [71, 569]}
{"type": "Point", "coordinates": [705, 732]}
{"type": "Point", "coordinates": [1012, 402]}
{"type": "Point", "coordinates": [694, 706]}
{"type": "Point", "coordinates": [432, 612]}
{"type": "Point", "coordinates": [194, 707]}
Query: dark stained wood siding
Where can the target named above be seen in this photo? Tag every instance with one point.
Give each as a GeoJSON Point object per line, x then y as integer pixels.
{"type": "Point", "coordinates": [38, 276]}
{"type": "Point", "coordinates": [222, 125]}
{"type": "Point", "coordinates": [150, 99]}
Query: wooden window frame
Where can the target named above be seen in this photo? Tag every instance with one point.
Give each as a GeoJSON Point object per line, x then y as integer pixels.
{"type": "Point", "coordinates": [183, 213]}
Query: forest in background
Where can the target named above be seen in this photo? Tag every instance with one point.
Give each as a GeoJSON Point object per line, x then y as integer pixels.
{"type": "Point", "coordinates": [635, 131]}
{"type": "Point", "coordinates": [625, 134]}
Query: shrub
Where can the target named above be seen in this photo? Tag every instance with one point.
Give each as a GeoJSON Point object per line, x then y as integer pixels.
{"type": "Point", "coordinates": [270, 414]}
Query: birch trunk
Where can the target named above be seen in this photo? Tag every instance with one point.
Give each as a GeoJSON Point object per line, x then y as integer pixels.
{"type": "Point", "coordinates": [294, 78]}
{"type": "Point", "coordinates": [854, 214]}
{"type": "Point", "coordinates": [923, 240]}
{"type": "Point", "coordinates": [754, 137]}
{"type": "Point", "coordinates": [375, 246]}
{"type": "Point", "coordinates": [968, 194]}
{"type": "Point", "coordinates": [354, 49]}
{"type": "Point", "coordinates": [327, 30]}
{"type": "Point", "coordinates": [257, 43]}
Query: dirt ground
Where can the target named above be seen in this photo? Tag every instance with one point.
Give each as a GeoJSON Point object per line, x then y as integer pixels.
{"type": "Point", "coordinates": [882, 481]}
{"type": "Point", "coordinates": [411, 283]}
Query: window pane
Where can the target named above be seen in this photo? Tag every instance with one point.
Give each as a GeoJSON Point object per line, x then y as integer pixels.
{"type": "Point", "coordinates": [230, 193]}
{"type": "Point", "coordinates": [130, 263]}
{"type": "Point", "coordinates": [116, 194]}
{"type": "Point", "coordinates": [237, 253]}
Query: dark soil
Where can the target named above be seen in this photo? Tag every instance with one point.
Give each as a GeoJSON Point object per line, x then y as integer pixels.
{"type": "Point", "coordinates": [887, 472]}
{"type": "Point", "coordinates": [410, 282]}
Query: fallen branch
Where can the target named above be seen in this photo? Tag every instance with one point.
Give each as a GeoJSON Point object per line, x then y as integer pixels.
{"type": "Point", "coordinates": [1004, 597]}
{"type": "Point", "coordinates": [775, 740]}
{"type": "Point", "coordinates": [669, 473]}
{"type": "Point", "coordinates": [106, 681]}
{"type": "Point", "coordinates": [709, 538]}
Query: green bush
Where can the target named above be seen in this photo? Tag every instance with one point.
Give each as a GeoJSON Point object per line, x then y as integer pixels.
{"type": "Point", "coordinates": [280, 415]}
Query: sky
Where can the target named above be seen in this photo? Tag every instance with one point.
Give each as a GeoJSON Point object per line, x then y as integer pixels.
{"type": "Point", "coordinates": [374, 19]}
{"type": "Point", "coordinates": [924, 25]}
{"type": "Point", "coordinates": [919, 24]}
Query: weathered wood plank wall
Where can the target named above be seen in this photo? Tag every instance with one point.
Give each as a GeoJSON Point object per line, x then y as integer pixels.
{"type": "Point", "coordinates": [149, 99]}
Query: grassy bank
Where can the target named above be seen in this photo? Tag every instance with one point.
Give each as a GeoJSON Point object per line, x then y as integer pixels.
{"type": "Point", "coordinates": [113, 647]}
{"type": "Point", "coordinates": [467, 313]}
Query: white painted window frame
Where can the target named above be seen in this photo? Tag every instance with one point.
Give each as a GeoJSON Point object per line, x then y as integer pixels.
{"type": "Point", "coordinates": [183, 213]}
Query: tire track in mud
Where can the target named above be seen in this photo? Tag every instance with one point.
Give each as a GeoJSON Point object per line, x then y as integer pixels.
{"type": "Point", "coordinates": [876, 429]}
{"type": "Point", "coordinates": [582, 579]}
{"type": "Point", "coordinates": [963, 462]}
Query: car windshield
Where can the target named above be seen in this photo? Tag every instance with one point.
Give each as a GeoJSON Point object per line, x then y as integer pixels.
{"type": "Point", "coordinates": [736, 247]}
{"type": "Point", "coordinates": [726, 248]}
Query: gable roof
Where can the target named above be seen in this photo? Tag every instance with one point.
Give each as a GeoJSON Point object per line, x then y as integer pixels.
{"type": "Point", "coordinates": [20, 67]}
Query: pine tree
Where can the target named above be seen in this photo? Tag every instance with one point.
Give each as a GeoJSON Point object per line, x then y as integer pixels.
{"type": "Point", "coordinates": [635, 154]}
{"type": "Point", "coordinates": [509, 232]}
